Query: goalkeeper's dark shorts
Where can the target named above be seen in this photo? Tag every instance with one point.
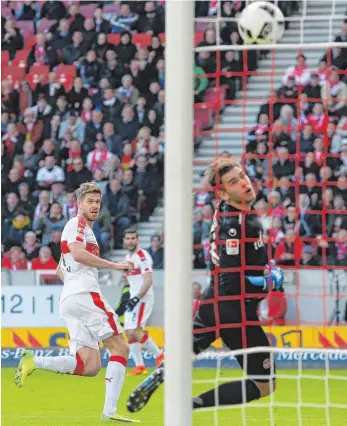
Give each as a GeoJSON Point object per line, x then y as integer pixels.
{"type": "Point", "coordinates": [238, 336]}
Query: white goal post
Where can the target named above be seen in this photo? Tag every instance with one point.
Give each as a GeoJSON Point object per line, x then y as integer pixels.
{"type": "Point", "coordinates": [178, 210]}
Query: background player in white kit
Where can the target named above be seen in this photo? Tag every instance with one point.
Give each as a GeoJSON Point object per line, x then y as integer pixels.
{"type": "Point", "coordinates": [88, 316]}
{"type": "Point", "coordinates": [140, 304]}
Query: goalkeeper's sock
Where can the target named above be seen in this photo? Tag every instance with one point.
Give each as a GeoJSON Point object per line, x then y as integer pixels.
{"type": "Point", "coordinates": [60, 364]}
{"type": "Point", "coordinates": [114, 379]}
{"type": "Point", "coordinates": [135, 352]}
{"type": "Point", "coordinates": [150, 346]}
{"type": "Point", "coordinates": [232, 393]}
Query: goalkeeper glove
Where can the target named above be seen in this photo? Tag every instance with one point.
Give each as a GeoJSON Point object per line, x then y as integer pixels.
{"type": "Point", "coordinates": [273, 281]}
{"type": "Point", "coordinates": [132, 303]}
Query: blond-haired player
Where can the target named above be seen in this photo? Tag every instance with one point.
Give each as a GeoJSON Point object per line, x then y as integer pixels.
{"type": "Point", "coordinates": [88, 316]}
{"type": "Point", "coordinates": [140, 304]}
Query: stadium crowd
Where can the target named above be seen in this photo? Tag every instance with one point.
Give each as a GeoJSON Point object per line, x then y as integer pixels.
{"type": "Point", "coordinates": [83, 92]}
{"type": "Point", "coordinates": [80, 101]}
{"type": "Point", "coordinates": [296, 156]}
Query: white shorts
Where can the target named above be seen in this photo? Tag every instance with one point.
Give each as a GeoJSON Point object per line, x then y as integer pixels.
{"type": "Point", "coordinates": [89, 320]}
{"type": "Point", "coordinates": [139, 316]}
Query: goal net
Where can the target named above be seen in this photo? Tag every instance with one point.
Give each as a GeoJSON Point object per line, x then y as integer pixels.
{"type": "Point", "coordinates": [282, 112]}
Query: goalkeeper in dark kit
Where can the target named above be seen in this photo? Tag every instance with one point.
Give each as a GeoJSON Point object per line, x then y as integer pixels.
{"type": "Point", "coordinates": [241, 276]}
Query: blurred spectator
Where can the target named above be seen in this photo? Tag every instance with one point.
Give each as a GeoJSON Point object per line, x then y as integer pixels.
{"type": "Point", "coordinates": [102, 46]}
{"type": "Point", "coordinates": [15, 260]}
{"type": "Point", "coordinates": [129, 188]}
{"type": "Point", "coordinates": [97, 158]}
{"type": "Point", "coordinates": [75, 125]}
{"type": "Point", "coordinates": [45, 260]}
{"type": "Point", "coordinates": [54, 245]}
{"type": "Point", "coordinates": [13, 233]}
{"type": "Point", "coordinates": [342, 38]}
{"type": "Point", "coordinates": [90, 70]}
{"type": "Point", "coordinates": [94, 127]}
{"type": "Point", "coordinates": [104, 222]}
{"type": "Point", "coordinates": [299, 71]}
{"type": "Point", "coordinates": [52, 222]}
{"type": "Point", "coordinates": [30, 127]}
{"type": "Point", "coordinates": [74, 52]}
{"type": "Point", "coordinates": [59, 34]}
{"type": "Point", "coordinates": [11, 39]}
{"type": "Point", "coordinates": [152, 19]}
{"type": "Point", "coordinates": [288, 252]}
{"type": "Point", "coordinates": [30, 246]}
{"type": "Point", "coordinates": [120, 209]}
{"type": "Point", "coordinates": [42, 53]}
{"type": "Point", "coordinates": [308, 258]}
{"type": "Point", "coordinates": [78, 175]}
{"type": "Point", "coordinates": [284, 166]}
{"type": "Point", "coordinates": [101, 24]}
{"type": "Point", "coordinates": [197, 294]}
{"type": "Point", "coordinates": [127, 126]}
{"type": "Point", "coordinates": [53, 10]}
{"type": "Point", "coordinates": [124, 20]}
{"type": "Point", "coordinates": [157, 252]}
{"type": "Point", "coordinates": [89, 33]}
{"type": "Point", "coordinates": [49, 173]}
{"type": "Point", "coordinates": [125, 50]}
{"type": "Point", "coordinates": [200, 83]}
{"type": "Point", "coordinates": [334, 92]}
{"type": "Point", "coordinates": [127, 93]}
{"type": "Point", "coordinates": [70, 207]}
{"type": "Point", "coordinates": [27, 200]}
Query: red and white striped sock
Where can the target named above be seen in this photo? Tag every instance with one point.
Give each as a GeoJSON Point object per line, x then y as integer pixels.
{"type": "Point", "coordinates": [60, 364]}
{"type": "Point", "coordinates": [135, 352]}
{"type": "Point", "coordinates": [114, 379]}
{"type": "Point", "coordinates": [150, 346]}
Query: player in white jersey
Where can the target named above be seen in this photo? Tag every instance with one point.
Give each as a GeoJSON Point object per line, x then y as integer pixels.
{"type": "Point", "coordinates": [88, 316]}
{"type": "Point", "coordinates": [140, 304]}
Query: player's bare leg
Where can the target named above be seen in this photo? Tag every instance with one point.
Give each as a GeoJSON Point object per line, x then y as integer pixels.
{"type": "Point", "coordinates": [114, 379]}
{"type": "Point", "coordinates": [137, 338]}
{"type": "Point", "coordinates": [86, 362]}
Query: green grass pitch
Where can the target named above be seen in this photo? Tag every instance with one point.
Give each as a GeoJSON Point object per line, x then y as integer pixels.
{"type": "Point", "coordinates": [57, 400]}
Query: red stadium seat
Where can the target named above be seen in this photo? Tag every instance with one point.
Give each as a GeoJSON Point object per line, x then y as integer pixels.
{"type": "Point", "coordinates": [199, 36]}
{"type": "Point", "coordinates": [203, 114]}
{"type": "Point", "coordinates": [33, 78]}
{"type": "Point", "coordinates": [26, 28]}
{"type": "Point", "coordinates": [65, 75]}
{"type": "Point", "coordinates": [5, 57]}
{"type": "Point", "coordinates": [21, 58]}
{"type": "Point", "coordinates": [66, 69]}
{"type": "Point", "coordinates": [113, 38]}
{"type": "Point", "coordinates": [30, 43]}
{"type": "Point", "coordinates": [13, 74]}
{"type": "Point", "coordinates": [143, 40]}
{"type": "Point", "coordinates": [39, 69]}
{"type": "Point", "coordinates": [88, 10]}
{"type": "Point", "coordinates": [66, 80]}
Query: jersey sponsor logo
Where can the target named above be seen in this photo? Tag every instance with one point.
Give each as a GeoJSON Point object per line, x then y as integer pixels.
{"type": "Point", "coordinates": [260, 242]}
{"type": "Point", "coordinates": [232, 232]}
{"type": "Point", "coordinates": [232, 247]}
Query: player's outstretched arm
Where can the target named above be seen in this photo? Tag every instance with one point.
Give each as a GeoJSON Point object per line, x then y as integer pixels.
{"type": "Point", "coordinates": [81, 255]}
{"type": "Point", "coordinates": [147, 284]}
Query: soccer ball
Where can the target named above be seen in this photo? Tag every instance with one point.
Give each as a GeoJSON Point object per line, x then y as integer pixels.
{"type": "Point", "coordinates": [261, 23]}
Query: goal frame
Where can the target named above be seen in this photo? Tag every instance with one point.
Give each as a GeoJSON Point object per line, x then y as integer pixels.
{"type": "Point", "coordinates": [178, 211]}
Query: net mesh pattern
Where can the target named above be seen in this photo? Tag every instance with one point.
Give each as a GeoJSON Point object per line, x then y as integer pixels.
{"type": "Point", "coordinates": [237, 117]}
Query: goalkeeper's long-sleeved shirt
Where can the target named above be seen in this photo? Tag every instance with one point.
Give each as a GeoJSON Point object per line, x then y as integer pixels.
{"type": "Point", "coordinates": [236, 239]}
